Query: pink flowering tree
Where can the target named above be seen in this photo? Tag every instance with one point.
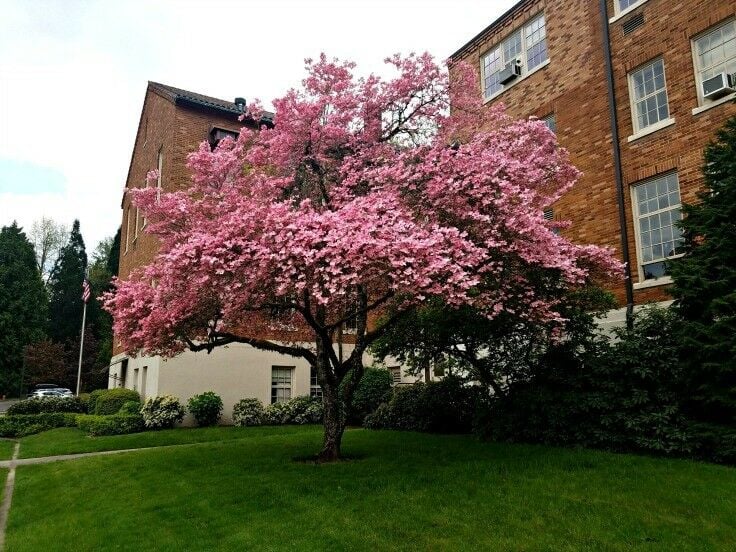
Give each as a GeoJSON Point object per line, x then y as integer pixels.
{"type": "Point", "coordinates": [366, 199]}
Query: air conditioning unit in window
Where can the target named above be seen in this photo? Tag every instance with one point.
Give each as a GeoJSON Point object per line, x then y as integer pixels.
{"type": "Point", "coordinates": [510, 72]}
{"type": "Point", "coordinates": [718, 86]}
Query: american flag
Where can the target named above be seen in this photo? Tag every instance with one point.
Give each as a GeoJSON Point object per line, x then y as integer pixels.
{"type": "Point", "coordinates": [86, 292]}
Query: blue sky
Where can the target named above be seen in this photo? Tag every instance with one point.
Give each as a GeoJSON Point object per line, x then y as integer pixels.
{"type": "Point", "coordinates": [73, 75]}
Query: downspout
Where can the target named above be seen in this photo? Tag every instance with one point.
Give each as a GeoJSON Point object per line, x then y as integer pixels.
{"type": "Point", "coordinates": [617, 165]}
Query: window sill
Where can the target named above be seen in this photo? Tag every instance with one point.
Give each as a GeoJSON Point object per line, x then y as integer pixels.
{"type": "Point", "coordinates": [651, 129]}
{"type": "Point", "coordinates": [655, 282]}
{"type": "Point", "coordinates": [517, 81]}
{"type": "Point", "coordinates": [627, 11]}
{"type": "Point", "coordinates": [718, 102]}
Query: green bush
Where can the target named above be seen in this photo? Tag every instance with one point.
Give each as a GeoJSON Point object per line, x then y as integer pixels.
{"type": "Point", "coordinates": [130, 407]}
{"type": "Point", "coordinates": [20, 425]}
{"type": "Point", "coordinates": [445, 406]}
{"type": "Point", "coordinates": [162, 412]}
{"type": "Point", "coordinates": [299, 410]}
{"type": "Point", "coordinates": [48, 405]}
{"type": "Point", "coordinates": [248, 412]}
{"type": "Point", "coordinates": [110, 401]}
{"type": "Point", "coordinates": [373, 389]}
{"type": "Point", "coordinates": [92, 399]}
{"type": "Point", "coordinates": [115, 424]}
{"type": "Point", "coordinates": [206, 408]}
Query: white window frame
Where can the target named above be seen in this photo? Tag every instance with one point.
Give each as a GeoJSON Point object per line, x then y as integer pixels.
{"type": "Point", "coordinates": [315, 390]}
{"type": "Point", "coordinates": [281, 385]}
{"type": "Point", "coordinates": [500, 47]}
{"type": "Point", "coordinates": [551, 122]}
{"type": "Point", "coordinates": [637, 215]}
{"type": "Point", "coordinates": [395, 375]}
{"type": "Point", "coordinates": [619, 13]}
{"type": "Point", "coordinates": [159, 166]}
{"type": "Point", "coordinates": [704, 103]}
{"type": "Point", "coordinates": [137, 218]}
{"type": "Point", "coordinates": [640, 131]}
{"type": "Point", "coordinates": [127, 228]}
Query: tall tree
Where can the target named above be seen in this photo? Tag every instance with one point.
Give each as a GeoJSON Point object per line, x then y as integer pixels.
{"type": "Point", "coordinates": [48, 238]}
{"type": "Point", "coordinates": [360, 201]}
{"type": "Point", "coordinates": [65, 289]}
{"type": "Point", "coordinates": [23, 304]}
{"type": "Point", "coordinates": [705, 284]}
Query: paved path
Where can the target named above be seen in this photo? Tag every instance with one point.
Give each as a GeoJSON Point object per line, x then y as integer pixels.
{"type": "Point", "coordinates": [48, 459]}
{"type": "Point", "coordinates": [7, 496]}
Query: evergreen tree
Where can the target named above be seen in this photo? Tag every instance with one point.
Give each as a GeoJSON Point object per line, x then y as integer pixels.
{"type": "Point", "coordinates": [23, 305]}
{"type": "Point", "coordinates": [65, 289]}
{"type": "Point", "coordinates": [705, 285]}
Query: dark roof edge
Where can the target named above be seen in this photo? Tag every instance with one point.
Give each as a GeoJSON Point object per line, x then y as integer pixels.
{"type": "Point", "coordinates": [508, 14]}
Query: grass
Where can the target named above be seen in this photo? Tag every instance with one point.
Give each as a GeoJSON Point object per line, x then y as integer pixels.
{"type": "Point", "coordinates": [404, 491]}
{"type": "Point", "coordinates": [6, 449]}
{"type": "Point", "coordinates": [72, 440]}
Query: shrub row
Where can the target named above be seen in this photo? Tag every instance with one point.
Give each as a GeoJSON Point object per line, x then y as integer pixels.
{"type": "Point", "coordinates": [299, 410]}
{"type": "Point", "coordinates": [109, 401]}
{"type": "Point", "coordinates": [48, 405]}
{"type": "Point", "coordinates": [112, 424]}
{"type": "Point", "coordinates": [20, 425]}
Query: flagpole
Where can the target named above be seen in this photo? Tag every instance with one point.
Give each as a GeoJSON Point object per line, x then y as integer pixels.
{"type": "Point", "coordinates": [81, 348]}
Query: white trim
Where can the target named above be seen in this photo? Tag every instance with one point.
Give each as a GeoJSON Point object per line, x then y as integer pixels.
{"type": "Point", "coordinates": [639, 132]}
{"type": "Point", "coordinates": [719, 101]}
{"type": "Point", "coordinates": [516, 81]}
{"type": "Point", "coordinates": [627, 11]}
{"type": "Point", "coordinates": [664, 123]}
{"type": "Point", "coordinates": [654, 282]}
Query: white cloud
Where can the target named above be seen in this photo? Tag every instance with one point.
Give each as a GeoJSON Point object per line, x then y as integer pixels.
{"type": "Point", "coordinates": [73, 74]}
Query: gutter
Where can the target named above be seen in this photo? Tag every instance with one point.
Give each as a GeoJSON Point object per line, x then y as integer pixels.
{"type": "Point", "coordinates": [617, 165]}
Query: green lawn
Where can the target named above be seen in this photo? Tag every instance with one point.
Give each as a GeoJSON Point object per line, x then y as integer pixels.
{"type": "Point", "coordinates": [6, 449]}
{"type": "Point", "coordinates": [72, 440]}
{"type": "Point", "coordinates": [403, 491]}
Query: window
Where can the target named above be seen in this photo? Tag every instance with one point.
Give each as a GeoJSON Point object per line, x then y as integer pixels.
{"type": "Point", "coordinates": [528, 45]}
{"type": "Point", "coordinates": [715, 53]}
{"type": "Point", "coordinates": [314, 389]}
{"type": "Point", "coordinates": [395, 374]}
{"type": "Point", "coordinates": [626, 4]}
{"type": "Point", "coordinates": [551, 122]}
{"type": "Point", "coordinates": [160, 167]}
{"type": "Point", "coordinates": [127, 229]}
{"type": "Point", "coordinates": [135, 379]}
{"type": "Point", "coordinates": [549, 215]}
{"type": "Point", "coordinates": [281, 383]}
{"type": "Point", "coordinates": [657, 209]}
{"type": "Point", "coordinates": [135, 234]}
{"type": "Point", "coordinates": [648, 92]}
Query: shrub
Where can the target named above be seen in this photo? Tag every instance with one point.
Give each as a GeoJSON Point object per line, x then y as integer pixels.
{"type": "Point", "coordinates": [445, 406]}
{"type": "Point", "coordinates": [130, 407]}
{"type": "Point", "coordinates": [299, 410]}
{"type": "Point", "coordinates": [110, 401]}
{"type": "Point", "coordinates": [373, 389]}
{"type": "Point", "coordinates": [48, 405]}
{"type": "Point", "coordinates": [248, 412]}
{"type": "Point", "coordinates": [162, 412]}
{"type": "Point", "coordinates": [20, 425]}
{"type": "Point", "coordinates": [115, 424]}
{"type": "Point", "coordinates": [206, 408]}
{"type": "Point", "coordinates": [92, 399]}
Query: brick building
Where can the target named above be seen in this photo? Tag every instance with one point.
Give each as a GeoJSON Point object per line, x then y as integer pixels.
{"type": "Point", "coordinates": [173, 123]}
{"type": "Point", "coordinates": [634, 89]}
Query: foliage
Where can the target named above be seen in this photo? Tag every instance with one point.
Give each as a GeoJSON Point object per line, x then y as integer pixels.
{"type": "Point", "coordinates": [20, 425]}
{"type": "Point", "coordinates": [23, 305]}
{"type": "Point", "coordinates": [110, 401]}
{"type": "Point", "coordinates": [48, 238]}
{"type": "Point", "coordinates": [206, 408]}
{"type": "Point", "coordinates": [445, 406]}
{"type": "Point", "coordinates": [705, 287]}
{"type": "Point", "coordinates": [299, 410]}
{"type": "Point", "coordinates": [115, 424]}
{"type": "Point", "coordinates": [162, 412]}
{"type": "Point", "coordinates": [130, 407]}
{"type": "Point", "coordinates": [48, 405]}
{"type": "Point", "coordinates": [65, 288]}
{"type": "Point", "coordinates": [374, 388]}
{"type": "Point", "coordinates": [248, 412]}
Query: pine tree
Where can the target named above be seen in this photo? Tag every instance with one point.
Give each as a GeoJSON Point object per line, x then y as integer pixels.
{"type": "Point", "coordinates": [65, 289]}
{"type": "Point", "coordinates": [705, 285]}
{"type": "Point", "coordinates": [23, 305]}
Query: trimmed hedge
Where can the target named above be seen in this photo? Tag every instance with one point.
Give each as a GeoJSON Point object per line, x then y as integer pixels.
{"type": "Point", "coordinates": [48, 405]}
{"type": "Point", "coordinates": [206, 408]}
{"type": "Point", "coordinates": [20, 425]}
{"type": "Point", "coordinates": [110, 401]}
{"type": "Point", "coordinates": [299, 410]}
{"type": "Point", "coordinates": [115, 424]}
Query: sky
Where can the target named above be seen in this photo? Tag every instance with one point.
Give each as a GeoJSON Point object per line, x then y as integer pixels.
{"type": "Point", "coordinates": [73, 76]}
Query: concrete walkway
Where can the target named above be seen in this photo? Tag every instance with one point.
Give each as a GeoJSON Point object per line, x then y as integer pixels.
{"type": "Point", "coordinates": [7, 496]}
{"type": "Point", "coordinates": [48, 459]}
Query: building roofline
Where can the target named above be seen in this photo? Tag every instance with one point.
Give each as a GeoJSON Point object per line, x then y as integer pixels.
{"type": "Point", "coordinates": [498, 22]}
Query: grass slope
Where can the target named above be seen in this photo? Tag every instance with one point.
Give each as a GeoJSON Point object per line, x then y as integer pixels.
{"type": "Point", "coordinates": [407, 491]}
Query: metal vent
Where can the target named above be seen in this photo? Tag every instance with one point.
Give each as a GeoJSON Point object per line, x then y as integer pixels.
{"type": "Point", "coordinates": [549, 214]}
{"type": "Point", "coordinates": [633, 23]}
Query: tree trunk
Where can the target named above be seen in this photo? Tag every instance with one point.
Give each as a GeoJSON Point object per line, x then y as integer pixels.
{"type": "Point", "coordinates": [334, 425]}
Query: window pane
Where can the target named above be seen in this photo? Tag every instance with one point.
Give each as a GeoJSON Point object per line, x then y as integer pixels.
{"type": "Point", "coordinates": [649, 95]}
{"type": "Point", "coordinates": [716, 51]}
